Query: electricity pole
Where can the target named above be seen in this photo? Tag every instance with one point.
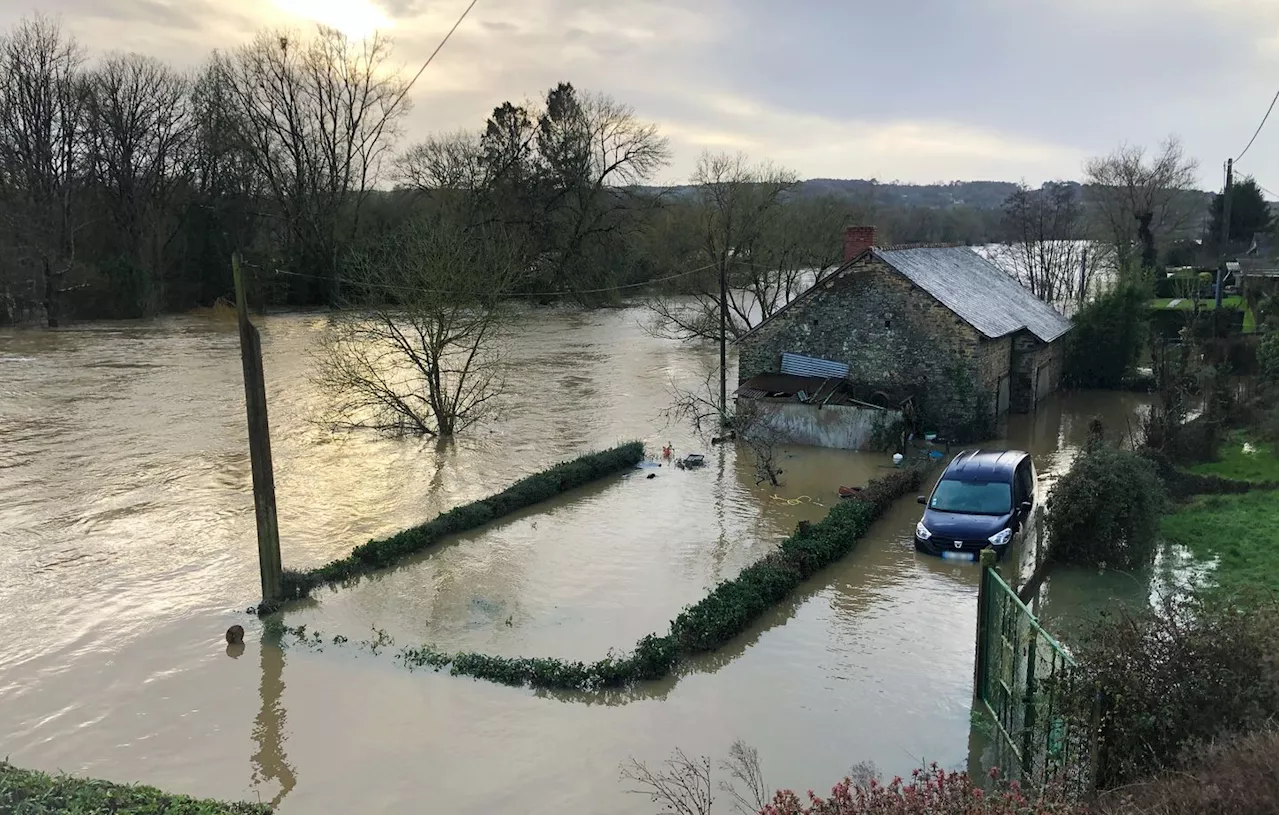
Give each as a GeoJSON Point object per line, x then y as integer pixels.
{"type": "Point", "coordinates": [1225, 244]}
{"type": "Point", "coordinates": [724, 332]}
{"type": "Point", "coordinates": [255, 403]}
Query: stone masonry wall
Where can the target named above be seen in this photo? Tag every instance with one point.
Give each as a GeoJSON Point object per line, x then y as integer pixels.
{"type": "Point", "coordinates": [893, 336]}
{"type": "Point", "coordinates": [1030, 355]}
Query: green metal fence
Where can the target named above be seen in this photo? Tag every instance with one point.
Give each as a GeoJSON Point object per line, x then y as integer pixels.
{"type": "Point", "coordinates": [1023, 679]}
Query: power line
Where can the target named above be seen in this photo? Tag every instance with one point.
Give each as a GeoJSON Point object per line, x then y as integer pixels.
{"type": "Point", "coordinates": [465, 12]}
{"type": "Point", "coordinates": [1270, 108]}
{"type": "Point", "coordinates": [420, 290]}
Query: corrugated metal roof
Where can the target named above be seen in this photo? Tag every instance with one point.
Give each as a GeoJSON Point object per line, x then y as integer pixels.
{"type": "Point", "coordinates": [799, 365]}
{"type": "Point", "coordinates": [979, 292]}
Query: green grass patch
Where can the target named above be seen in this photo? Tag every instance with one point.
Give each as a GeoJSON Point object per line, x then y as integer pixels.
{"type": "Point", "coordinates": [726, 612]}
{"type": "Point", "coordinates": [27, 792]}
{"type": "Point", "coordinates": [379, 554]}
{"type": "Point", "coordinates": [1244, 457]}
{"type": "Point", "coordinates": [1239, 531]}
{"type": "Point", "coordinates": [1234, 302]}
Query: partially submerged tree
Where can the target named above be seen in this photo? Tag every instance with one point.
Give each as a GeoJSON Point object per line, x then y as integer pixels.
{"type": "Point", "coordinates": [1139, 200]}
{"type": "Point", "coordinates": [420, 350]}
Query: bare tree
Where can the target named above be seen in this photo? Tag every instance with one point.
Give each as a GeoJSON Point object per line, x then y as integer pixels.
{"type": "Point", "coordinates": [702, 409]}
{"type": "Point", "coordinates": [140, 128]}
{"type": "Point", "coordinates": [420, 352]}
{"type": "Point", "coordinates": [1045, 244]}
{"type": "Point", "coordinates": [737, 209]}
{"type": "Point", "coordinates": [762, 436]}
{"type": "Point", "coordinates": [1138, 201]}
{"type": "Point", "coordinates": [316, 118]}
{"type": "Point", "coordinates": [42, 152]}
{"type": "Point", "coordinates": [683, 785]}
{"type": "Point", "coordinates": [447, 161]}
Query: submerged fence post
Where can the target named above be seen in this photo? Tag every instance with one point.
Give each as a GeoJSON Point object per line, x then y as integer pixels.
{"type": "Point", "coordinates": [255, 403]}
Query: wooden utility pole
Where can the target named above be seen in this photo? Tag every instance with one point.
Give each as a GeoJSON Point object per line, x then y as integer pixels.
{"type": "Point", "coordinates": [724, 338]}
{"type": "Point", "coordinates": [255, 403]}
{"type": "Point", "coordinates": [1226, 240]}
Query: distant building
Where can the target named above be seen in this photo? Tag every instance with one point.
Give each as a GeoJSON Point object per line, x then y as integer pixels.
{"type": "Point", "coordinates": [938, 327]}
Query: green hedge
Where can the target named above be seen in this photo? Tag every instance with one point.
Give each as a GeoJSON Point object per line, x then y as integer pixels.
{"type": "Point", "coordinates": [36, 793]}
{"type": "Point", "coordinates": [378, 554]}
{"type": "Point", "coordinates": [723, 614]}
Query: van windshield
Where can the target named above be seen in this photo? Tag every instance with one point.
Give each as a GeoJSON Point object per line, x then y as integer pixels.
{"type": "Point", "coordinates": [972, 497]}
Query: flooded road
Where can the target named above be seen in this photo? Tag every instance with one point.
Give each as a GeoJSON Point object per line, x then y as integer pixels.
{"type": "Point", "coordinates": [128, 548]}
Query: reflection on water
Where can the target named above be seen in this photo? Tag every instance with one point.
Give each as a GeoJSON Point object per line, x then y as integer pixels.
{"type": "Point", "coordinates": [129, 538]}
{"type": "Point", "coordinates": [270, 765]}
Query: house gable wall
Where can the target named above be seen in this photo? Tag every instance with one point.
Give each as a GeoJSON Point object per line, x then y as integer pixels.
{"type": "Point", "coordinates": [893, 336]}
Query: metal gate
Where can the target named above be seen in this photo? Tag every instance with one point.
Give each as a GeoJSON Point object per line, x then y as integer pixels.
{"type": "Point", "coordinates": [1022, 681]}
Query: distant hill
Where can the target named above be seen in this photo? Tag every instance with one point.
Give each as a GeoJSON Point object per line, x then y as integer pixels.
{"type": "Point", "coordinates": [976, 194]}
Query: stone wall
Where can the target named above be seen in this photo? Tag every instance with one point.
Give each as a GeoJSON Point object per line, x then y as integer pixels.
{"type": "Point", "coordinates": [894, 337]}
{"type": "Point", "coordinates": [1036, 371]}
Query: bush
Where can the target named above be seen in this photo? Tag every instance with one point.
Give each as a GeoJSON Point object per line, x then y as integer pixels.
{"type": "Point", "coordinates": [931, 791]}
{"type": "Point", "coordinates": [378, 554]}
{"type": "Point", "coordinates": [1185, 673]}
{"type": "Point", "coordinates": [1106, 510]}
{"type": "Point", "coordinates": [1104, 346]}
{"type": "Point", "coordinates": [1234, 775]}
{"type": "Point", "coordinates": [35, 793]}
{"type": "Point", "coordinates": [723, 614]}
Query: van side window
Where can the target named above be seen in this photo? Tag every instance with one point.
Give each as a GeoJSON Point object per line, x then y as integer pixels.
{"type": "Point", "coordinates": [1025, 486]}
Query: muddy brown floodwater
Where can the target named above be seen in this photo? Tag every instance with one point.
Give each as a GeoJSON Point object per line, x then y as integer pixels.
{"type": "Point", "coordinates": [128, 549]}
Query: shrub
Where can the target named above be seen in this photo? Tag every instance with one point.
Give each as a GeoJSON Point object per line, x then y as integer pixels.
{"type": "Point", "coordinates": [1104, 346]}
{"type": "Point", "coordinates": [35, 793]}
{"type": "Point", "coordinates": [1236, 774]}
{"type": "Point", "coordinates": [931, 791]}
{"type": "Point", "coordinates": [378, 554]}
{"type": "Point", "coordinates": [1185, 673]}
{"type": "Point", "coordinates": [1106, 509]}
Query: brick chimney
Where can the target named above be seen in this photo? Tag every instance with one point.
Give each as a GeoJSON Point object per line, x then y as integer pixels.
{"type": "Point", "coordinates": [858, 239]}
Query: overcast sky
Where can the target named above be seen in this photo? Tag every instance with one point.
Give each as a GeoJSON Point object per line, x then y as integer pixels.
{"type": "Point", "coordinates": [916, 90]}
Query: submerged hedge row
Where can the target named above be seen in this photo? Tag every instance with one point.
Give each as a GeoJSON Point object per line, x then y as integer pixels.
{"type": "Point", "coordinates": [378, 554]}
{"type": "Point", "coordinates": [723, 614]}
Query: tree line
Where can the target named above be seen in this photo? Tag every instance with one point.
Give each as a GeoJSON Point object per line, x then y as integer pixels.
{"type": "Point", "coordinates": [125, 184]}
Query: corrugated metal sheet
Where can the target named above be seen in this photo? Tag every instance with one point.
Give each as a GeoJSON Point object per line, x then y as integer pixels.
{"type": "Point", "coordinates": [798, 365]}
{"type": "Point", "coordinates": [979, 292]}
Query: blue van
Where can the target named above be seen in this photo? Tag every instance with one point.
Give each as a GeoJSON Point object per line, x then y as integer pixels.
{"type": "Point", "coordinates": [983, 499]}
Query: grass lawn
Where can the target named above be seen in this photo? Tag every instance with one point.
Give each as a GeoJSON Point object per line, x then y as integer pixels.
{"type": "Point", "coordinates": [1233, 301]}
{"type": "Point", "coordinates": [34, 793]}
{"type": "Point", "coordinates": [1243, 457]}
{"type": "Point", "coordinates": [1238, 530]}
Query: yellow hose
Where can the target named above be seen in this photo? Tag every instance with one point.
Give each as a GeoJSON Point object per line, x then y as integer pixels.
{"type": "Point", "coordinates": [802, 499]}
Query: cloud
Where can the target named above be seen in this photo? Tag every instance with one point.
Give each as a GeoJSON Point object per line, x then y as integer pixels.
{"type": "Point", "coordinates": [932, 89]}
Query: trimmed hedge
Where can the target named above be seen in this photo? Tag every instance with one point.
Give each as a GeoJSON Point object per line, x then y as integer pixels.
{"type": "Point", "coordinates": [379, 554]}
{"type": "Point", "coordinates": [36, 793]}
{"type": "Point", "coordinates": [723, 614]}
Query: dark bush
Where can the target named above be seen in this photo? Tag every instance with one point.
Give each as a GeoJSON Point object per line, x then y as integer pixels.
{"type": "Point", "coordinates": [1106, 510]}
{"type": "Point", "coordinates": [378, 554]}
{"type": "Point", "coordinates": [1107, 338]}
{"type": "Point", "coordinates": [1185, 673]}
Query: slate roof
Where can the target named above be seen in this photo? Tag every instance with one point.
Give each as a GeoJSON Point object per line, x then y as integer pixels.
{"type": "Point", "coordinates": [979, 292]}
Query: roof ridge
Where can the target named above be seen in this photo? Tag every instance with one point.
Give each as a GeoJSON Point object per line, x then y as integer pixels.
{"type": "Point", "coordinates": [898, 246]}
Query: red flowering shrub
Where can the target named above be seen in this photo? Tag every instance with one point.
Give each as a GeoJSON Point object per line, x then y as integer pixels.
{"type": "Point", "coordinates": [933, 791]}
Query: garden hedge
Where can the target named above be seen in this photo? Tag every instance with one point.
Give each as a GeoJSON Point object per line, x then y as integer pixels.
{"type": "Point", "coordinates": [379, 554]}
{"type": "Point", "coordinates": [36, 793]}
{"type": "Point", "coordinates": [723, 614]}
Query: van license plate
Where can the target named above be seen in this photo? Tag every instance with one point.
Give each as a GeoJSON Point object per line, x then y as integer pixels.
{"type": "Point", "coordinates": [948, 555]}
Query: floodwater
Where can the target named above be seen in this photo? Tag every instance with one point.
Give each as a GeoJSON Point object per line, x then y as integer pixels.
{"type": "Point", "coordinates": [128, 549]}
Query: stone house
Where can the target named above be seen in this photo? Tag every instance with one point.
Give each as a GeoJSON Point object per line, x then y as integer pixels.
{"type": "Point", "coordinates": [939, 325]}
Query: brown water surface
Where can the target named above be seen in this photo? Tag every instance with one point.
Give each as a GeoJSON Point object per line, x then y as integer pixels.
{"type": "Point", "coordinates": [128, 548]}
